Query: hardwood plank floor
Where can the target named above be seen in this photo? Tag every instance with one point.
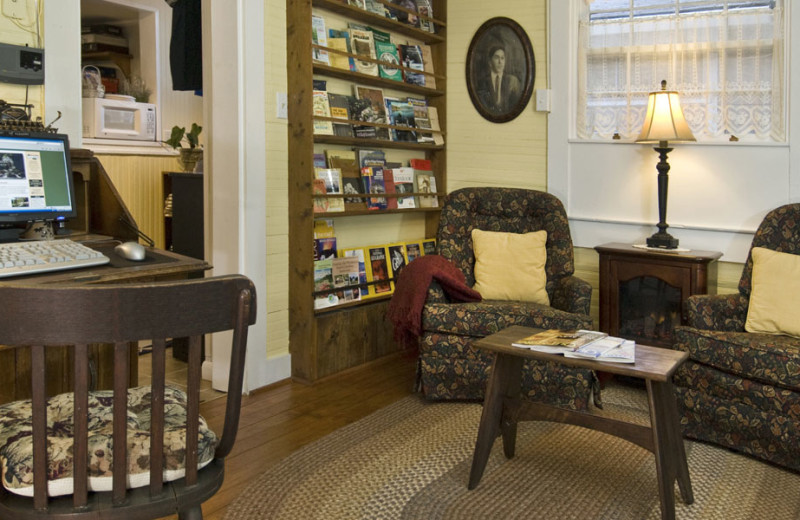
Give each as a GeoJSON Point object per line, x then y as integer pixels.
{"type": "Point", "coordinates": [281, 418]}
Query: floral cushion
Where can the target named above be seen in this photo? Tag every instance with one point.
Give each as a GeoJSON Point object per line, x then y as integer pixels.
{"type": "Point", "coordinates": [16, 445]}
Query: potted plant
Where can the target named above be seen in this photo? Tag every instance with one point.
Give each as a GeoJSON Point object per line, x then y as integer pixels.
{"type": "Point", "coordinates": [188, 156]}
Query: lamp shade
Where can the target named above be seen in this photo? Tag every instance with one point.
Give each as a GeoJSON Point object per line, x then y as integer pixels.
{"type": "Point", "coordinates": [664, 120]}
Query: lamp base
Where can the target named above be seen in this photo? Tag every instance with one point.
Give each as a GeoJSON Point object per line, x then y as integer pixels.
{"type": "Point", "coordinates": [663, 240]}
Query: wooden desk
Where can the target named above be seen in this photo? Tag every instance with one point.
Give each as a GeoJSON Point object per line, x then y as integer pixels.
{"type": "Point", "coordinates": [504, 407]}
{"type": "Point", "coordinates": [159, 265]}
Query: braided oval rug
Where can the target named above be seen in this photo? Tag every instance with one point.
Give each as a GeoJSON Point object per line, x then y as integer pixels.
{"type": "Point", "coordinates": [411, 460]}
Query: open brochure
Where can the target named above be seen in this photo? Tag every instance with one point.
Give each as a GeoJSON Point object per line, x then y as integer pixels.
{"type": "Point", "coordinates": [615, 350]}
{"type": "Point", "coordinates": [554, 341]}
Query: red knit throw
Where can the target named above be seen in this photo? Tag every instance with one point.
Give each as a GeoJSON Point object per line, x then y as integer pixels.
{"type": "Point", "coordinates": [411, 290]}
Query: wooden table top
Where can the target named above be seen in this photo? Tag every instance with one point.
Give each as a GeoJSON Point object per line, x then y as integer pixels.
{"type": "Point", "coordinates": [652, 363]}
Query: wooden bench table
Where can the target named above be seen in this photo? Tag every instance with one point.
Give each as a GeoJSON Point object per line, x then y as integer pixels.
{"type": "Point", "coordinates": [504, 407]}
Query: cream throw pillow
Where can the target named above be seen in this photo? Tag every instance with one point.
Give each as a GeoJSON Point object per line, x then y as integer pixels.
{"type": "Point", "coordinates": [510, 266]}
{"type": "Point", "coordinates": [775, 295]}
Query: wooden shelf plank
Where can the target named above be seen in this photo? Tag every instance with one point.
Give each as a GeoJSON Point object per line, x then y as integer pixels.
{"type": "Point", "coordinates": [375, 81]}
{"type": "Point", "coordinates": [374, 143]}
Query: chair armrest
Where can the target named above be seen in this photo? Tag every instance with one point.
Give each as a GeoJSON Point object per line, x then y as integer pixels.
{"type": "Point", "coordinates": [436, 294]}
{"type": "Point", "coordinates": [571, 294]}
{"type": "Point", "coordinates": [722, 312]}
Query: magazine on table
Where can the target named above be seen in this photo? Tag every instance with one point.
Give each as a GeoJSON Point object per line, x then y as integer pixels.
{"type": "Point", "coordinates": [555, 341]}
{"type": "Point", "coordinates": [614, 350]}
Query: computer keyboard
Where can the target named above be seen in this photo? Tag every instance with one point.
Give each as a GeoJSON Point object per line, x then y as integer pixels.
{"type": "Point", "coordinates": [21, 258]}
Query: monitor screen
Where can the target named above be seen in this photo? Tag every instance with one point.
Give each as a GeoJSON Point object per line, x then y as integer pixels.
{"type": "Point", "coordinates": [35, 177]}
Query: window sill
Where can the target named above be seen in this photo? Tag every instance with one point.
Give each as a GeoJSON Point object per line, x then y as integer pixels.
{"type": "Point", "coordinates": [765, 144]}
{"type": "Point", "coordinates": [122, 147]}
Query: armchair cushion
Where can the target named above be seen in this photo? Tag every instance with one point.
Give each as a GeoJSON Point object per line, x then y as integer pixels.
{"type": "Point", "coordinates": [768, 358]}
{"type": "Point", "coordinates": [775, 293]}
{"type": "Point", "coordinates": [722, 312]}
{"type": "Point", "coordinates": [510, 266]}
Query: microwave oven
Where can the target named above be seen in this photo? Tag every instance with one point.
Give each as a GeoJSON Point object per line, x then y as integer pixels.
{"type": "Point", "coordinates": [106, 118]}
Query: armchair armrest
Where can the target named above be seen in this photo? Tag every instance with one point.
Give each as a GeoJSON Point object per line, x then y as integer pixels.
{"type": "Point", "coordinates": [571, 294]}
{"type": "Point", "coordinates": [436, 294]}
{"type": "Point", "coordinates": [722, 312]}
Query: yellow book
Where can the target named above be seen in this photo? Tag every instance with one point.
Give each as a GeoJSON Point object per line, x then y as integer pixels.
{"type": "Point", "coordinates": [396, 255]}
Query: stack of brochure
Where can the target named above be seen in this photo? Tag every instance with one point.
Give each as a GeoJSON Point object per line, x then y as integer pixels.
{"type": "Point", "coordinates": [616, 350]}
{"type": "Point", "coordinates": [580, 344]}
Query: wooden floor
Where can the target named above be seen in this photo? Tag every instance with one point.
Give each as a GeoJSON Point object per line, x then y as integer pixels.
{"type": "Point", "coordinates": [283, 417]}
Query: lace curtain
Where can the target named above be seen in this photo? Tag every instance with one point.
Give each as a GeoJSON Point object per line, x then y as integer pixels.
{"type": "Point", "coordinates": [725, 58]}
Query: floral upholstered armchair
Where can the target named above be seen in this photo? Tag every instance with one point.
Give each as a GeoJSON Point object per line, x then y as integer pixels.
{"type": "Point", "coordinates": [741, 389]}
{"type": "Point", "coordinates": [450, 367]}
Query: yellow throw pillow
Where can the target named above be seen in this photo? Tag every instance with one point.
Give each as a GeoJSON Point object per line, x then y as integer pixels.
{"type": "Point", "coordinates": [510, 266]}
{"type": "Point", "coordinates": [775, 295]}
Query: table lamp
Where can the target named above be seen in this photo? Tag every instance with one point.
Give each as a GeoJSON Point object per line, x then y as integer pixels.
{"type": "Point", "coordinates": [663, 122]}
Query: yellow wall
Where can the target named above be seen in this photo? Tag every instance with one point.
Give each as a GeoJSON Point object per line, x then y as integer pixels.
{"type": "Point", "coordinates": [278, 171]}
{"type": "Point", "coordinates": [480, 153]}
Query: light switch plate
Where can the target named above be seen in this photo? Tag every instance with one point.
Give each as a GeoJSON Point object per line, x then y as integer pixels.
{"type": "Point", "coordinates": [282, 111]}
{"type": "Point", "coordinates": [16, 9]}
{"type": "Point", "coordinates": [542, 100]}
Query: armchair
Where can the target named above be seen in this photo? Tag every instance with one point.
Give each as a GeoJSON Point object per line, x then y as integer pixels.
{"type": "Point", "coordinates": [740, 389]}
{"type": "Point", "coordinates": [450, 368]}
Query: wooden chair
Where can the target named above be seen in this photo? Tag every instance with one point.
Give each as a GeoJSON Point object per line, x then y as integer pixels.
{"type": "Point", "coordinates": [79, 316]}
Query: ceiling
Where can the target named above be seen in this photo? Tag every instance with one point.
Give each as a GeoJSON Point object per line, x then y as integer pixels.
{"type": "Point", "coordinates": [101, 11]}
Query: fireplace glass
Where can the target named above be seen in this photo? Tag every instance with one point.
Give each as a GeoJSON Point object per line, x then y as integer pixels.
{"type": "Point", "coordinates": [649, 308]}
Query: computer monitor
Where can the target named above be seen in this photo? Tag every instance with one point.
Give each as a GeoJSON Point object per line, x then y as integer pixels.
{"type": "Point", "coordinates": [35, 178]}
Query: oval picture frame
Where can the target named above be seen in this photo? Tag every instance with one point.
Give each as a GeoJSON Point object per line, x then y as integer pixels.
{"type": "Point", "coordinates": [500, 43]}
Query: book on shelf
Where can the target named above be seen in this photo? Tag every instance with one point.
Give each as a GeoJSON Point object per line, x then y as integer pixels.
{"type": "Point", "coordinates": [379, 270]}
{"type": "Point", "coordinates": [425, 9]}
{"type": "Point", "coordinates": [611, 349]}
{"type": "Point", "coordinates": [321, 107]}
{"type": "Point", "coordinates": [388, 182]}
{"type": "Point", "coordinates": [429, 246]}
{"type": "Point", "coordinates": [405, 15]}
{"type": "Point", "coordinates": [427, 65]}
{"type": "Point", "coordinates": [397, 258]}
{"type": "Point", "coordinates": [324, 248]}
{"type": "Point", "coordinates": [387, 53]}
{"type": "Point", "coordinates": [375, 7]}
{"type": "Point", "coordinates": [331, 153]}
{"type": "Point", "coordinates": [411, 58]}
{"type": "Point", "coordinates": [372, 178]}
{"type": "Point", "coordinates": [556, 341]}
{"type": "Point", "coordinates": [323, 228]}
{"type": "Point", "coordinates": [413, 250]}
{"type": "Point", "coordinates": [318, 37]}
{"type": "Point", "coordinates": [402, 114]}
{"type": "Point", "coordinates": [421, 119]}
{"type": "Point", "coordinates": [362, 43]}
{"type": "Point", "coordinates": [433, 116]}
{"type": "Point", "coordinates": [323, 281]}
{"type": "Point", "coordinates": [359, 254]}
{"type": "Point", "coordinates": [371, 157]}
{"type": "Point", "coordinates": [345, 271]}
{"type": "Point", "coordinates": [333, 186]}
{"type": "Point", "coordinates": [321, 204]}
{"type": "Point", "coordinates": [357, 3]}
{"type": "Point", "coordinates": [425, 182]}
{"type": "Point", "coordinates": [339, 40]}
{"type": "Point", "coordinates": [340, 109]}
{"type": "Point", "coordinates": [319, 84]}
{"type": "Point", "coordinates": [319, 160]}
{"type": "Point", "coordinates": [351, 182]}
{"type": "Point", "coordinates": [404, 183]}
{"type": "Point", "coordinates": [371, 109]}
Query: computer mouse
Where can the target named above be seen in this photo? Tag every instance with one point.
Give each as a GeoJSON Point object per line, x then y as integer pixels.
{"type": "Point", "coordinates": [131, 251]}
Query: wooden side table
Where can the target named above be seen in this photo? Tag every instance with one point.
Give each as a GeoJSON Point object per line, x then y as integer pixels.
{"type": "Point", "coordinates": [504, 407]}
{"type": "Point", "coordinates": [642, 291]}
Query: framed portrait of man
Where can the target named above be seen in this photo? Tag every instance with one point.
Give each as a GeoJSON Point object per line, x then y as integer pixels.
{"type": "Point", "coordinates": [500, 70]}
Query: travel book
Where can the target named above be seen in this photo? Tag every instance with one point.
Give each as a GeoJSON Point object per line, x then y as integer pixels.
{"type": "Point", "coordinates": [340, 41]}
{"type": "Point", "coordinates": [321, 107]}
{"type": "Point", "coordinates": [358, 253]}
{"type": "Point", "coordinates": [426, 11]}
{"type": "Point", "coordinates": [320, 203]}
{"type": "Point", "coordinates": [429, 246]}
{"type": "Point", "coordinates": [379, 270]}
{"type": "Point", "coordinates": [388, 182]}
{"type": "Point", "coordinates": [318, 37]}
{"type": "Point", "coordinates": [387, 53]}
{"type": "Point", "coordinates": [372, 178]}
{"type": "Point", "coordinates": [397, 258]}
{"type": "Point", "coordinates": [323, 281]}
{"type": "Point", "coordinates": [411, 58]}
{"type": "Point", "coordinates": [333, 186]}
{"type": "Point", "coordinates": [345, 271]}
{"type": "Point", "coordinates": [413, 251]}
{"type": "Point", "coordinates": [351, 182]}
{"type": "Point", "coordinates": [340, 109]}
{"type": "Point", "coordinates": [324, 248]}
{"type": "Point", "coordinates": [404, 183]}
{"type": "Point", "coordinates": [555, 341]}
{"type": "Point", "coordinates": [370, 108]}
{"type": "Point", "coordinates": [362, 43]}
{"type": "Point", "coordinates": [425, 182]}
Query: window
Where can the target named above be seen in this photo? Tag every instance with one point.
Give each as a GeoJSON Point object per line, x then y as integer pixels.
{"type": "Point", "coordinates": [725, 57]}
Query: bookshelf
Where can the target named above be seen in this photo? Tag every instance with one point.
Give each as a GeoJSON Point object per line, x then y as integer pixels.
{"type": "Point", "coordinates": [324, 342]}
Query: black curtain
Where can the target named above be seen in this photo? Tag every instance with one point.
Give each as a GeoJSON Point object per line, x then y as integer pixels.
{"type": "Point", "coordinates": [186, 45]}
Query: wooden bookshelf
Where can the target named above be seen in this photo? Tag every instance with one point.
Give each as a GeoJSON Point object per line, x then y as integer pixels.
{"type": "Point", "coordinates": [326, 341]}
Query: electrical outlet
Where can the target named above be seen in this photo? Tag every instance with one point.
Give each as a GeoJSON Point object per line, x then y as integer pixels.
{"type": "Point", "coordinates": [16, 9]}
{"type": "Point", "coordinates": [282, 111]}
